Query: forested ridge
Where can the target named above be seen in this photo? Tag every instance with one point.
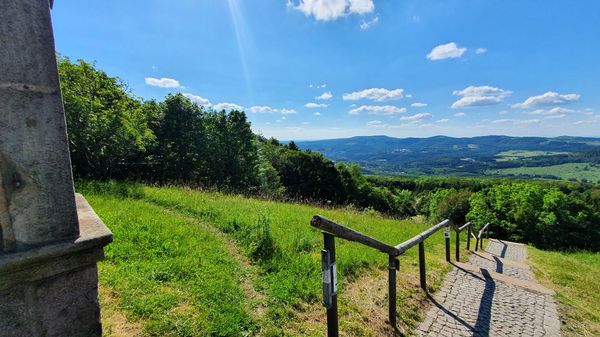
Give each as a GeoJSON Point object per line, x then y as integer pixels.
{"type": "Point", "coordinates": [115, 135]}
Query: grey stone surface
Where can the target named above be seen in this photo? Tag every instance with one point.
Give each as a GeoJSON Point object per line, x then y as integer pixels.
{"type": "Point", "coordinates": [64, 305]}
{"type": "Point", "coordinates": [48, 255]}
{"type": "Point", "coordinates": [36, 185]}
{"type": "Point", "coordinates": [475, 304]}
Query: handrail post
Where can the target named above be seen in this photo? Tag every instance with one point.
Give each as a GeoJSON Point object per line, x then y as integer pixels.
{"type": "Point", "coordinates": [394, 264]}
{"type": "Point", "coordinates": [332, 307]}
{"type": "Point", "coordinates": [469, 236]}
{"type": "Point", "coordinates": [457, 246]}
{"type": "Point", "coordinates": [422, 275]}
{"type": "Point", "coordinates": [447, 237]}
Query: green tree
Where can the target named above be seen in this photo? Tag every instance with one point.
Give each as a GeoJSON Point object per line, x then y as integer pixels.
{"type": "Point", "coordinates": [109, 129]}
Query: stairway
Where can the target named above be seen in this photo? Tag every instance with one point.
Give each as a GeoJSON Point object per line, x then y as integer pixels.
{"type": "Point", "coordinates": [494, 294]}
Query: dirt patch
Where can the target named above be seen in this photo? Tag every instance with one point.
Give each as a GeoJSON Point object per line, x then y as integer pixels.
{"type": "Point", "coordinates": [114, 323]}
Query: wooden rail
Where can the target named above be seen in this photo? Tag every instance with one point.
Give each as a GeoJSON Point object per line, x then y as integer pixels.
{"type": "Point", "coordinates": [331, 230]}
{"type": "Point", "coordinates": [350, 234]}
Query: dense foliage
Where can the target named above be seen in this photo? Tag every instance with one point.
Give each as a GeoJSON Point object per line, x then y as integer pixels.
{"type": "Point", "coordinates": [115, 135]}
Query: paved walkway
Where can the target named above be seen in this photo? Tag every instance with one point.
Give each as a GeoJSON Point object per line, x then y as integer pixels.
{"type": "Point", "coordinates": [495, 294]}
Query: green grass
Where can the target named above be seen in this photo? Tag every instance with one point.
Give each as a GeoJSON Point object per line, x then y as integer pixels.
{"type": "Point", "coordinates": [155, 250]}
{"type": "Point", "coordinates": [576, 279]}
{"type": "Point", "coordinates": [567, 171]}
{"type": "Point", "coordinates": [176, 278]}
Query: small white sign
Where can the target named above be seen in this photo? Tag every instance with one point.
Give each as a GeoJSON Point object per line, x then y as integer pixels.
{"type": "Point", "coordinates": [447, 233]}
{"type": "Point", "coordinates": [334, 271]}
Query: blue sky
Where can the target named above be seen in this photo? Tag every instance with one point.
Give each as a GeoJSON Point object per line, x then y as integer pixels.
{"type": "Point", "coordinates": [314, 69]}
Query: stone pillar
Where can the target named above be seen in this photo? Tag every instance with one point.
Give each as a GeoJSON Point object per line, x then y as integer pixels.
{"type": "Point", "coordinates": [48, 254]}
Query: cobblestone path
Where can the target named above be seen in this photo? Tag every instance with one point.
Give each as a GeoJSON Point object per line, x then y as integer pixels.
{"type": "Point", "coordinates": [495, 294]}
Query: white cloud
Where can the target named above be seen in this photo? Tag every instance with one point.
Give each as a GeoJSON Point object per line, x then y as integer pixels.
{"type": "Point", "coordinates": [445, 51]}
{"type": "Point", "coordinates": [480, 50]}
{"type": "Point", "coordinates": [377, 110]}
{"type": "Point", "coordinates": [261, 109]}
{"type": "Point", "coordinates": [555, 116]}
{"type": "Point", "coordinates": [268, 109]}
{"type": "Point", "coordinates": [315, 105]}
{"type": "Point", "coordinates": [325, 96]}
{"type": "Point", "coordinates": [325, 10]}
{"type": "Point", "coordinates": [445, 120]}
{"type": "Point", "coordinates": [548, 98]}
{"type": "Point", "coordinates": [517, 121]}
{"type": "Point", "coordinates": [416, 117]}
{"type": "Point", "coordinates": [197, 99]}
{"type": "Point", "coordinates": [305, 123]}
{"type": "Point", "coordinates": [376, 124]}
{"type": "Point", "coordinates": [504, 112]}
{"type": "Point", "coordinates": [162, 82]}
{"type": "Point", "coordinates": [418, 105]}
{"type": "Point", "coordinates": [460, 114]}
{"type": "Point", "coordinates": [367, 24]}
{"type": "Point", "coordinates": [375, 94]}
{"type": "Point", "coordinates": [361, 6]}
{"type": "Point", "coordinates": [553, 111]}
{"type": "Point", "coordinates": [479, 96]}
{"type": "Point", "coordinates": [227, 107]}
{"type": "Point", "coordinates": [408, 95]}
{"type": "Point", "coordinates": [317, 113]}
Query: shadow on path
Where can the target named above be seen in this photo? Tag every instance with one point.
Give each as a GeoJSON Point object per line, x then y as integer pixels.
{"type": "Point", "coordinates": [484, 316]}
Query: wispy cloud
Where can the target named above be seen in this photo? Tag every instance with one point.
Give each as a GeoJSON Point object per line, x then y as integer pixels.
{"type": "Point", "coordinates": [377, 110]}
{"type": "Point", "coordinates": [375, 94]}
{"type": "Point", "coordinates": [197, 99]}
{"type": "Point", "coordinates": [227, 106]}
{"type": "Point", "coordinates": [418, 105]}
{"type": "Point", "coordinates": [368, 24]}
{"type": "Point", "coordinates": [444, 120]}
{"type": "Point", "coordinates": [376, 124]}
{"type": "Point", "coordinates": [446, 51]}
{"type": "Point", "coordinates": [315, 105]}
{"type": "Point", "coordinates": [548, 98]}
{"type": "Point", "coordinates": [480, 51]}
{"type": "Point", "coordinates": [416, 117]}
{"type": "Point", "coordinates": [460, 114]}
{"type": "Point", "coordinates": [517, 121]}
{"type": "Point", "coordinates": [162, 82]}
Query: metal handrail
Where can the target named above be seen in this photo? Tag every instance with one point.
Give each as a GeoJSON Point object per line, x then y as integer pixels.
{"type": "Point", "coordinates": [352, 235]}
{"type": "Point", "coordinates": [331, 230]}
{"type": "Point", "coordinates": [461, 228]}
{"type": "Point", "coordinates": [406, 245]}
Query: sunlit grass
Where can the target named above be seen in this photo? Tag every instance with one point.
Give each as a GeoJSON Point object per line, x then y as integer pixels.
{"type": "Point", "coordinates": [289, 277]}
{"type": "Point", "coordinates": [576, 279]}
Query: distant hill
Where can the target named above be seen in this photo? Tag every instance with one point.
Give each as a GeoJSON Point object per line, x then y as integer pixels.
{"type": "Point", "coordinates": [473, 156]}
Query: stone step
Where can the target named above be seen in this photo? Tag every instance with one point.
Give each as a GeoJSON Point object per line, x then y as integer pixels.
{"type": "Point", "coordinates": [528, 285]}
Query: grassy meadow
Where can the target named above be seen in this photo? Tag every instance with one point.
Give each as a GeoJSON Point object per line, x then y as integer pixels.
{"type": "Point", "coordinates": [576, 279]}
{"type": "Point", "coordinates": [189, 263]}
{"type": "Point", "coordinates": [576, 171]}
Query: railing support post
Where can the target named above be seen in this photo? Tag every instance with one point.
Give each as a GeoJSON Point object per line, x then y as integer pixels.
{"type": "Point", "coordinates": [469, 237]}
{"type": "Point", "coordinates": [457, 249]}
{"type": "Point", "coordinates": [422, 275]}
{"type": "Point", "coordinates": [332, 307]}
{"type": "Point", "coordinates": [447, 237]}
{"type": "Point", "coordinates": [394, 264]}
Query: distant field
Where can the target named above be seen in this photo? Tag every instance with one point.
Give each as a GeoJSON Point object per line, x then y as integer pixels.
{"type": "Point", "coordinates": [567, 171]}
{"type": "Point", "coordinates": [576, 279]}
{"type": "Point", "coordinates": [518, 154]}
{"type": "Point", "coordinates": [190, 263]}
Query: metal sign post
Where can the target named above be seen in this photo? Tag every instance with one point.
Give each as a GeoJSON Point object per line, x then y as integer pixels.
{"type": "Point", "coordinates": [329, 270]}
